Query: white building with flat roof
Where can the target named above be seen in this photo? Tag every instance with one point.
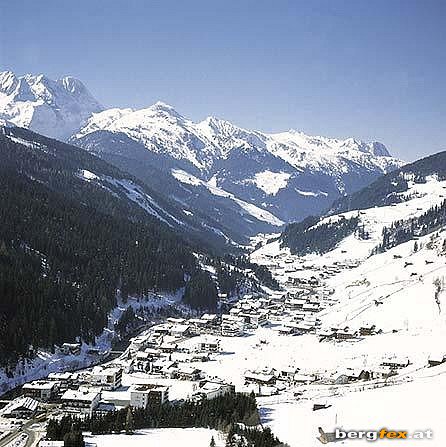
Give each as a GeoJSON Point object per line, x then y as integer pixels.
{"type": "Point", "coordinates": [107, 378]}
{"type": "Point", "coordinates": [148, 395]}
{"type": "Point", "coordinates": [83, 399]}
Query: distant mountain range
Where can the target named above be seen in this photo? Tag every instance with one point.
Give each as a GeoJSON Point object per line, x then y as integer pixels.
{"type": "Point", "coordinates": [244, 181]}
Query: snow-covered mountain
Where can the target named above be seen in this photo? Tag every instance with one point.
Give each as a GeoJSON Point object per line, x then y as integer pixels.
{"type": "Point", "coordinates": [255, 180]}
{"type": "Point", "coordinates": [54, 108]}
{"type": "Point", "coordinates": [289, 174]}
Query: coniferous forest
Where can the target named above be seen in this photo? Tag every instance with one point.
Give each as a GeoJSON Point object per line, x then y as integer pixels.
{"type": "Point", "coordinates": [66, 245]}
{"type": "Point", "coordinates": [307, 237]}
{"type": "Point", "coordinates": [235, 414]}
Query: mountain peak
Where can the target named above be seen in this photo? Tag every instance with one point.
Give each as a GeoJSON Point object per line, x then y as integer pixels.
{"type": "Point", "coordinates": [55, 108]}
{"type": "Point", "coordinates": [163, 107]}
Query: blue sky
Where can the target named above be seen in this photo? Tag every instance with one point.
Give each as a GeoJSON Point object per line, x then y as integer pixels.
{"type": "Point", "coordinates": [370, 69]}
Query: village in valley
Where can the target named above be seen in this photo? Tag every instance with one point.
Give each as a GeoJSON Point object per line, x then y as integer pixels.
{"type": "Point", "coordinates": [341, 325]}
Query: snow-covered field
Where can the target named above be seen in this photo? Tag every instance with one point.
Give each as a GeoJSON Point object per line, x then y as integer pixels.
{"type": "Point", "coordinates": [161, 437]}
{"type": "Point", "coordinates": [394, 291]}
{"type": "Point", "coordinates": [413, 406]}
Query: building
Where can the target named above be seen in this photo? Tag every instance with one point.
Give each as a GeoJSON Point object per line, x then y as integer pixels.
{"type": "Point", "coordinates": [211, 390]}
{"type": "Point", "coordinates": [254, 319]}
{"type": "Point", "coordinates": [288, 373]}
{"type": "Point", "coordinates": [83, 399]}
{"type": "Point", "coordinates": [41, 389]}
{"type": "Point", "coordinates": [70, 348]}
{"type": "Point", "coordinates": [345, 334]}
{"type": "Point", "coordinates": [148, 395]}
{"type": "Point", "coordinates": [104, 408]}
{"type": "Point", "coordinates": [66, 380]}
{"type": "Point", "coordinates": [367, 330]}
{"type": "Point", "coordinates": [383, 373]}
{"type": "Point", "coordinates": [232, 326]}
{"type": "Point", "coordinates": [396, 362]}
{"type": "Point", "coordinates": [180, 330]}
{"type": "Point", "coordinates": [436, 360]}
{"type": "Point", "coordinates": [21, 408]}
{"type": "Point", "coordinates": [107, 378]}
{"type": "Point", "coordinates": [209, 345]}
{"type": "Point", "coordinates": [260, 378]}
{"type": "Point", "coordinates": [212, 319]}
{"type": "Point", "coordinates": [187, 372]}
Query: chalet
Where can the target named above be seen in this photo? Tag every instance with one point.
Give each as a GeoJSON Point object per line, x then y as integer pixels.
{"type": "Point", "coordinates": [176, 320]}
{"type": "Point", "coordinates": [200, 358]}
{"type": "Point", "coordinates": [288, 373]}
{"type": "Point", "coordinates": [382, 373]}
{"type": "Point", "coordinates": [148, 395]}
{"type": "Point", "coordinates": [311, 307]}
{"type": "Point", "coordinates": [285, 330]}
{"type": "Point", "coordinates": [210, 389]}
{"type": "Point", "coordinates": [367, 330]}
{"type": "Point", "coordinates": [209, 345]}
{"type": "Point", "coordinates": [180, 330]}
{"type": "Point", "coordinates": [260, 378]}
{"type": "Point", "coordinates": [161, 329]}
{"type": "Point", "coordinates": [349, 375]}
{"type": "Point", "coordinates": [395, 362]}
{"type": "Point", "coordinates": [46, 443]}
{"type": "Point", "coordinates": [212, 319]}
{"type": "Point", "coordinates": [295, 303]}
{"type": "Point", "coordinates": [163, 366]}
{"type": "Point", "coordinates": [345, 334]}
{"type": "Point", "coordinates": [140, 342]}
{"type": "Point", "coordinates": [232, 326]}
{"type": "Point", "coordinates": [199, 325]}
{"type": "Point", "coordinates": [167, 347]}
{"type": "Point", "coordinates": [254, 319]}
{"type": "Point", "coordinates": [187, 372]}
{"type": "Point", "coordinates": [21, 408]}
{"type": "Point", "coordinates": [304, 378]}
{"type": "Point", "coordinates": [41, 390]}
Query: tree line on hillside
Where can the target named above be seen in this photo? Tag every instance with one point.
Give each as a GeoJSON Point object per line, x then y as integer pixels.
{"type": "Point", "coordinates": [309, 236]}
{"type": "Point", "coordinates": [234, 413]}
{"type": "Point", "coordinates": [405, 230]}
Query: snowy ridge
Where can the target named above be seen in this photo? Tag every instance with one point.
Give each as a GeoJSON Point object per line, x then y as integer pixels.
{"type": "Point", "coordinates": [54, 108]}
{"type": "Point", "coordinates": [289, 174]}
{"type": "Point", "coordinates": [164, 130]}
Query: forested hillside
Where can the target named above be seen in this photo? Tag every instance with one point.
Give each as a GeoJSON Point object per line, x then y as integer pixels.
{"type": "Point", "coordinates": [307, 237]}
{"type": "Point", "coordinates": [61, 262]}
{"type": "Point", "coordinates": [67, 244]}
